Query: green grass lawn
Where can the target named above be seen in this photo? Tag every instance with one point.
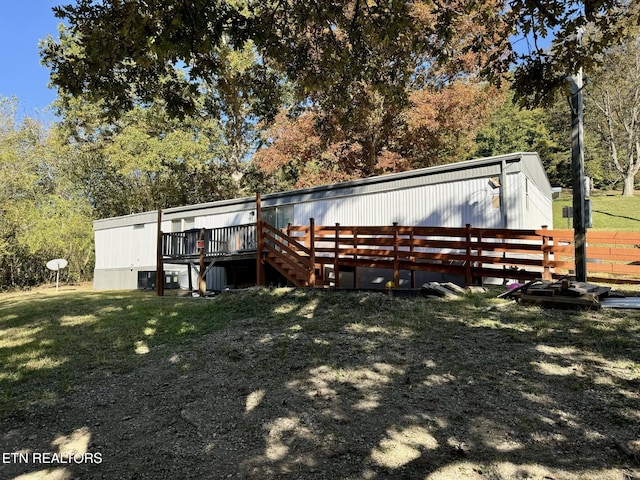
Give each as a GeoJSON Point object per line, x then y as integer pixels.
{"type": "Point", "coordinates": [611, 211]}
{"type": "Point", "coordinates": [49, 340]}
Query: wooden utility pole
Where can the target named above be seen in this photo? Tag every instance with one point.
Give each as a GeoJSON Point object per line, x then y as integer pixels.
{"type": "Point", "coordinates": [577, 176]}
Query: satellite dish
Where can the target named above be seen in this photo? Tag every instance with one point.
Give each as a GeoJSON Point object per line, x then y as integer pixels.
{"type": "Point", "coordinates": [56, 264]}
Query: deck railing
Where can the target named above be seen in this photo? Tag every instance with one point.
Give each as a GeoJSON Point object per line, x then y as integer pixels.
{"type": "Point", "coordinates": [473, 253]}
{"type": "Point", "coordinates": [217, 241]}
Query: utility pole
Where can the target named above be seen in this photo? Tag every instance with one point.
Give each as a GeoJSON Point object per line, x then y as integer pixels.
{"type": "Point", "coordinates": [577, 176]}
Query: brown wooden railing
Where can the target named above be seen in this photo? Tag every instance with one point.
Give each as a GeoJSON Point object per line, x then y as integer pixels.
{"type": "Point", "coordinates": [611, 256]}
{"type": "Point", "coordinates": [288, 256]}
{"type": "Point", "coordinates": [473, 253]}
{"type": "Point", "coordinates": [303, 252]}
{"type": "Point", "coordinates": [217, 241]}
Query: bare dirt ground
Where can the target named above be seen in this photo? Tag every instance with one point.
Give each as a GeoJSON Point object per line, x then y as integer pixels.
{"type": "Point", "coordinates": [354, 386]}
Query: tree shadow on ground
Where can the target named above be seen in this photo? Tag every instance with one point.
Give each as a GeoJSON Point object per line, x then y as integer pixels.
{"type": "Point", "coordinates": [347, 385]}
{"type": "Point", "coordinates": [616, 215]}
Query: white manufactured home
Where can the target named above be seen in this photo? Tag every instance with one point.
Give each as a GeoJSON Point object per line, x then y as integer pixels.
{"type": "Point", "coordinates": [508, 191]}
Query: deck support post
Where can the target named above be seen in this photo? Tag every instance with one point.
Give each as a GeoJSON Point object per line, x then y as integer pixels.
{"type": "Point", "coordinates": [260, 277]}
{"type": "Point", "coordinates": [396, 258]}
{"type": "Point", "coordinates": [479, 278]}
{"type": "Point", "coordinates": [412, 258]}
{"type": "Point", "coordinates": [546, 272]}
{"type": "Point", "coordinates": [356, 274]}
{"type": "Point", "coordinates": [159, 262]}
{"type": "Point", "coordinates": [202, 282]}
{"type": "Point", "coordinates": [312, 249]}
{"type": "Point", "coordinates": [467, 276]}
{"type": "Point", "coordinates": [336, 258]}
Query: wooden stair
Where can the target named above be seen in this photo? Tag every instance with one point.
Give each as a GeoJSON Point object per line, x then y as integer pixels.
{"type": "Point", "coordinates": [290, 258]}
{"type": "Point", "coordinates": [285, 265]}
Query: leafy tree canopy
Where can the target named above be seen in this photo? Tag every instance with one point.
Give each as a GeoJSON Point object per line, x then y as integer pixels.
{"type": "Point", "coordinates": [145, 160]}
{"type": "Point", "coordinates": [614, 98]}
{"type": "Point", "coordinates": [125, 51]}
{"type": "Point", "coordinates": [42, 216]}
{"type": "Point", "coordinates": [582, 31]}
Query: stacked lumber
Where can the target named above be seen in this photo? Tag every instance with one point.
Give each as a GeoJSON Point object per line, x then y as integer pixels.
{"type": "Point", "coordinates": [441, 289]}
{"type": "Point", "coordinates": [563, 293]}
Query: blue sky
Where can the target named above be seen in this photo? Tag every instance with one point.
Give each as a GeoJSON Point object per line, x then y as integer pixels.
{"type": "Point", "coordinates": [22, 24]}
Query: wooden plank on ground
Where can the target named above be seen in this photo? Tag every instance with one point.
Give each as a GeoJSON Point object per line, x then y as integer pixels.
{"type": "Point", "coordinates": [560, 301]}
{"type": "Point", "coordinates": [455, 288]}
{"type": "Point", "coordinates": [542, 290]}
{"type": "Point", "coordinates": [434, 288]}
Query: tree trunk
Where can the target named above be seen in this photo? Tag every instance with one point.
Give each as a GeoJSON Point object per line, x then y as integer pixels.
{"type": "Point", "coordinates": [628, 188]}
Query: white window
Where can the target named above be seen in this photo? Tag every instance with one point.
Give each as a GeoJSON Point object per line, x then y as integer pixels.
{"type": "Point", "coordinates": [182, 224]}
{"type": "Point", "coordinates": [279, 216]}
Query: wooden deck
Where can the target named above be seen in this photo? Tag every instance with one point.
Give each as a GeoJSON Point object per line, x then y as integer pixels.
{"type": "Point", "coordinates": [471, 253]}
{"type": "Point", "coordinates": [302, 254]}
{"type": "Point", "coordinates": [215, 244]}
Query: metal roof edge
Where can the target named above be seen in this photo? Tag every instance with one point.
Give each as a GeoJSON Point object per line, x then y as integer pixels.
{"type": "Point", "coordinates": [449, 167]}
{"type": "Point", "coordinates": [214, 204]}
{"type": "Point", "coordinates": [399, 180]}
{"type": "Point", "coordinates": [125, 220]}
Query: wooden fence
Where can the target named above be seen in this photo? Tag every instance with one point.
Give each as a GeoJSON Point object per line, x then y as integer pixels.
{"type": "Point", "coordinates": [473, 253]}
{"type": "Point", "coordinates": [611, 256]}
